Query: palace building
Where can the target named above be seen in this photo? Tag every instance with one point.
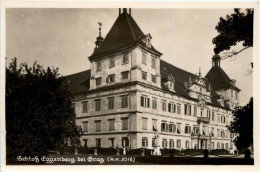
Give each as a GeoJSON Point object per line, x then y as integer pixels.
{"type": "Point", "coordinates": [130, 95]}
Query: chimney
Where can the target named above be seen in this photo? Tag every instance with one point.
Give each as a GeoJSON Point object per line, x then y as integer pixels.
{"type": "Point", "coordinates": [119, 11]}
{"type": "Point", "coordinates": [124, 10]}
{"type": "Point", "coordinates": [130, 11]}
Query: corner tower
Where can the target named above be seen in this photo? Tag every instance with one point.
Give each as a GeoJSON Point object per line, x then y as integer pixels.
{"type": "Point", "coordinates": [222, 84]}
{"type": "Point", "coordinates": [125, 55]}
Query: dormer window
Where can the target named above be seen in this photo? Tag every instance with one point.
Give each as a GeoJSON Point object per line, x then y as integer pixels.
{"type": "Point", "coordinates": [147, 39]}
{"type": "Point", "coordinates": [169, 82]}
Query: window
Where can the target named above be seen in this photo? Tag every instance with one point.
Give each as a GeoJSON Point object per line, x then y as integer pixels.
{"type": "Point", "coordinates": [154, 104]}
{"type": "Point", "coordinates": [125, 75]}
{"type": "Point", "coordinates": [111, 123]}
{"type": "Point", "coordinates": [212, 145]}
{"type": "Point", "coordinates": [110, 102]}
{"type": "Point", "coordinates": [153, 78]}
{"type": "Point", "coordinates": [212, 131]}
{"type": "Point", "coordinates": [98, 81]}
{"type": "Point", "coordinates": [208, 114]}
{"type": "Point", "coordinates": [195, 129]}
{"type": "Point", "coordinates": [222, 134]}
{"type": "Point", "coordinates": [218, 146]}
{"type": "Point", "coordinates": [178, 109]}
{"type": "Point", "coordinates": [171, 143]}
{"type": "Point", "coordinates": [145, 101]}
{"type": "Point", "coordinates": [98, 125]}
{"type": "Point", "coordinates": [144, 142]}
{"type": "Point", "coordinates": [144, 123]}
{"type": "Point", "coordinates": [164, 126]}
{"type": "Point", "coordinates": [154, 125]}
{"type": "Point", "coordinates": [85, 107]}
{"type": "Point", "coordinates": [222, 146]}
{"type": "Point", "coordinates": [164, 106]}
{"type": "Point", "coordinates": [218, 118]}
{"type": "Point", "coordinates": [203, 130]}
{"type": "Point", "coordinates": [124, 101]}
{"type": "Point", "coordinates": [98, 143]}
{"type": "Point", "coordinates": [143, 57]}
{"type": "Point", "coordinates": [99, 68]}
{"type": "Point", "coordinates": [187, 144]}
{"type": "Point", "coordinates": [171, 128]}
{"type": "Point", "coordinates": [111, 142]}
{"type": "Point", "coordinates": [227, 146]}
{"type": "Point", "coordinates": [178, 143]}
{"type": "Point", "coordinates": [187, 109]}
{"type": "Point", "coordinates": [178, 128]}
{"type": "Point", "coordinates": [124, 123]}
{"type": "Point", "coordinates": [125, 57]}
{"type": "Point", "coordinates": [164, 143]}
{"type": "Point", "coordinates": [85, 142]}
{"type": "Point", "coordinates": [125, 141]}
{"type": "Point", "coordinates": [153, 62]}
{"type": "Point", "coordinates": [85, 126]}
{"type": "Point", "coordinates": [187, 129]}
{"type": "Point", "coordinates": [172, 107]}
{"type": "Point", "coordinates": [112, 62]}
{"type": "Point", "coordinates": [236, 94]}
{"type": "Point", "coordinates": [111, 78]}
{"type": "Point", "coordinates": [144, 75]}
{"type": "Point", "coordinates": [195, 111]}
{"type": "Point", "coordinates": [98, 104]}
{"type": "Point", "coordinates": [213, 116]}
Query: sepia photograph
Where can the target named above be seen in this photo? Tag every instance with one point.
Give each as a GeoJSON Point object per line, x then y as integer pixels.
{"type": "Point", "coordinates": [129, 85]}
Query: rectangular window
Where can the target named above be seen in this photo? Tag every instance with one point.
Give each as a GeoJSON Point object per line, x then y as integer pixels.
{"type": "Point", "coordinates": [155, 125]}
{"type": "Point", "coordinates": [218, 118]}
{"type": "Point", "coordinates": [124, 101]}
{"type": "Point", "coordinates": [164, 143]}
{"type": "Point", "coordinates": [98, 143]}
{"type": "Point", "coordinates": [171, 143]}
{"type": "Point", "coordinates": [187, 109]}
{"type": "Point", "coordinates": [99, 68]}
{"type": "Point", "coordinates": [144, 75]}
{"type": "Point", "coordinates": [111, 123]}
{"type": "Point", "coordinates": [195, 129]}
{"type": "Point", "coordinates": [178, 128]}
{"type": "Point", "coordinates": [164, 126]}
{"type": "Point", "coordinates": [208, 114]}
{"type": "Point", "coordinates": [98, 104]}
{"type": "Point", "coordinates": [125, 141]}
{"type": "Point", "coordinates": [154, 104]}
{"type": "Point", "coordinates": [110, 102]}
{"type": "Point", "coordinates": [111, 142]}
{"type": "Point", "coordinates": [179, 109]}
{"type": "Point", "coordinates": [213, 116]}
{"type": "Point", "coordinates": [187, 144]}
{"type": "Point", "coordinates": [124, 123]}
{"type": "Point", "coordinates": [195, 111]}
{"type": "Point", "coordinates": [171, 128]}
{"type": "Point", "coordinates": [85, 126]}
{"type": "Point", "coordinates": [153, 78]}
{"type": "Point", "coordinates": [153, 62]}
{"type": "Point", "coordinates": [144, 123]}
{"type": "Point", "coordinates": [145, 101]}
{"type": "Point", "coordinates": [85, 107]}
{"type": "Point", "coordinates": [98, 125]}
{"type": "Point", "coordinates": [212, 131]}
{"type": "Point", "coordinates": [98, 81]}
{"type": "Point", "coordinates": [143, 57]}
{"type": "Point", "coordinates": [85, 142]}
{"type": "Point", "coordinates": [144, 142]}
{"type": "Point", "coordinates": [218, 133]}
{"type": "Point", "coordinates": [178, 143]}
{"type": "Point", "coordinates": [187, 129]}
{"type": "Point", "coordinates": [125, 57]}
{"type": "Point", "coordinates": [125, 75]}
{"type": "Point", "coordinates": [164, 106]}
{"type": "Point", "coordinates": [111, 78]}
{"type": "Point", "coordinates": [112, 62]}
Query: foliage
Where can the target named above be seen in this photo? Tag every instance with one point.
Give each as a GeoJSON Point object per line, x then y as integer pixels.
{"type": "Point", "coordinates": [242, 125]}
{"type": "Point", "coordinates": [237, 27]}
{"type": "Point", "coordinates": [219, 152]}
{"type": "Point", "coordinates": [39, 116]}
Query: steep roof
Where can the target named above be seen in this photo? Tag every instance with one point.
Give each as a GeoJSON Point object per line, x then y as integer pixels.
{"type": "Point", "coordinates": [80, 82]}
{"type": "Point", "coordinates": [124, 32]}
{"type": "Point", "coordinates": [218, 78]}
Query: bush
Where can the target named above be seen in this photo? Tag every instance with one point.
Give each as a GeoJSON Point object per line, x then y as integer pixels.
{"type": "Point", "coordinates": [193, 151]}
{"type": "Point", "coordinates": [138, 151]}
{"type": "Point", "coordinates": [220, 152]}
{"type": "Point", "coordinates": [86, 150]}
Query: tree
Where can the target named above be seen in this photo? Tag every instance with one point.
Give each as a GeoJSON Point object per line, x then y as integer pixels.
{"type": "Point", "coordinates": [39, 115]}
{"type": "Point", "coordinates": [242, 125]}
{"type": "Point", "coordinates": [237, 27]}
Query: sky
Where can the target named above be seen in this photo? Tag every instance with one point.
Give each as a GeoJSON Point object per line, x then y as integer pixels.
{"type": "Point", "coordinates": [65, 38]}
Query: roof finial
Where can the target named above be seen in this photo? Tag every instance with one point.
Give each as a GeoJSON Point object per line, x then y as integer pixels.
{"type": "Point", "coordinates": [100, 25]}
{"type": "Point", "coordinates": [199, 72]}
